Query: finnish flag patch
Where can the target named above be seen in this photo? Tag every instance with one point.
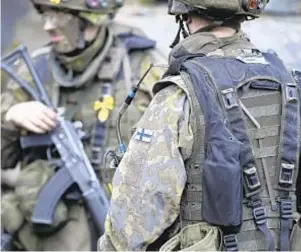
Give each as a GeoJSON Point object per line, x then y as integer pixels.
{"type": "Point", "coordinates": [144, 135]}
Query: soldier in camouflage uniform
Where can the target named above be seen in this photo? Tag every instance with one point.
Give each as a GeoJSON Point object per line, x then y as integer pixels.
{"type": "Point", "coordinates": [88, 68]}
{"type": "Point", "coordinates": [213, 162]}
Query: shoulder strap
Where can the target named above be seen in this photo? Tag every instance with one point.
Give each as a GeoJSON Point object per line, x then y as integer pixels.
{"type": "Point", "coordinates": [289, 151]}
{"type": "Point", "coordinates": [216, 133]}
{"type": "Point", "coordinates": [252, 183]}
{"type": "Point", "coordinates": [297, 77]}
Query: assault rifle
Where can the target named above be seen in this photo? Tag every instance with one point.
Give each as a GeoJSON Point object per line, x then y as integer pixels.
{"type": "Point", "coordinates": [76, 168]}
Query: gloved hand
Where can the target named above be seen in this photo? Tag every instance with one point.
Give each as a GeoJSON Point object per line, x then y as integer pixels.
{"type": "Point", "coordinates": [33, 116]}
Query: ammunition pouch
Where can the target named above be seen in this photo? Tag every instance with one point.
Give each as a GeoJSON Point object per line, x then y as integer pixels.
{"type": "Point", "coordinates": [11, 216]}
{"type": "Point", "coordinates": [29, 184]}
{"type": "Point", "coordinates": [196, 237]}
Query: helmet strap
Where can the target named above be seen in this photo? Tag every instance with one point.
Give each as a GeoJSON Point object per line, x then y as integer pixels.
{"type": "Point", "coordinates": [180, 20]}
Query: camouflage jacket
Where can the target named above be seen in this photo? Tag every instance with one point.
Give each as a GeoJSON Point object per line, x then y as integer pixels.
{"type": "Point", "coordinates": [124, 63]}
{"type": "Point", "coordinates": [149, 182]}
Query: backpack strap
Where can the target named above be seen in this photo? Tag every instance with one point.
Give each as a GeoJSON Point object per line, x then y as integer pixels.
{"type": "Point", "coordinates": [289, 151]}
{"type": "Point", "coordinates": [212, 212]}
{"type": "Point", "coordinates": [297, 76]}
{"type": "Point", "coordinates": [251, 180]}
{"type": "Point", "coordinates": [252, 183]}
{"type": "Point", "coordinates": [103, 108]}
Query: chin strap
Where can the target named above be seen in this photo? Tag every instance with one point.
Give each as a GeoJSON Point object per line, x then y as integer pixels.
{"type": "Point", "coordinates": [182, 29]}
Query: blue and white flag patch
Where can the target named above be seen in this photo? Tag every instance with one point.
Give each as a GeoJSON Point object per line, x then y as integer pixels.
{"type": "Point", "coordinates": [144, 135]}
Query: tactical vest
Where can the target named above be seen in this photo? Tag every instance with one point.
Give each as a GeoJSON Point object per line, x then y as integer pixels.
{"type": "Point", "coordinates": [95, 104]}
{"type": "Point", "coordinates": [243, 170]}
{"type": "Point", "coordinates": [109, 81]}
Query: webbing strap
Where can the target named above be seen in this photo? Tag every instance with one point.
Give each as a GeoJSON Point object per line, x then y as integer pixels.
{"type": "Point", "coordinates": [98, 143]}
{"type": "Point", "coordinates": [288, 153]}
{"type": "Point", "coordinates": [100, 131]}
{"type": "Point", "coordinates": [286, 215]}
{"type": "Point", "coordinates": [252, 184]}
{"type": "Point", "coordinates": [230, 242]}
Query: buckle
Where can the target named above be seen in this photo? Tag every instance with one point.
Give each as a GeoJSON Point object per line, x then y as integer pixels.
{"type": "Point", "coordinates": [230, 242]}
{"type": "Point", "coordinates": [291, 92]}
{"type": "Point", "coordinates": [286, 174]}
{"type": "Point", "coordinates": [260, 215]}
{"type": "Point", "coordinates": [286, 209]}
{"type": "Point", "coordinates": [252, 178]}
{"type": "Point", "coordinates": [297, 75]}
{"type": "Point", "coordinates": [229, 98]}
{"type": "Point", "coordinates": [96, 158]}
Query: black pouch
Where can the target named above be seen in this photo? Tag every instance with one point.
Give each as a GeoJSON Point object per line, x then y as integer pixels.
{"type": "Point", "coordinates": [222, 184]}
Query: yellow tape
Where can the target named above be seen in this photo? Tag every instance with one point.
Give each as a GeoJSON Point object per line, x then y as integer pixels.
{"type": "Point", "coordinates": [104, 107]}
{"type": "Point", "coordinates": [110, 188]}
{"type": "Point", "coordinates": [55, 1]}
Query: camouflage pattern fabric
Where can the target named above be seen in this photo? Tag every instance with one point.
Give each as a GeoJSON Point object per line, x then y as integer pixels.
{"type": "Point", "coordinates": [99, 7]}
{"type": "Point", "coordinates": [145, 198]}
{"type": "Point", "coordinates": [149, 182]}
{"type": "Point", "coordinates": [219, 9]}
{"type": "Point", "coordinates": [75, 234]}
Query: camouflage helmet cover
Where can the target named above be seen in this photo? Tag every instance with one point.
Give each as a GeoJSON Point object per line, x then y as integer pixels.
{"type": "Point", "coordinates": [219, 9]}
{"type": "Point", "coordinates": [90, 6]}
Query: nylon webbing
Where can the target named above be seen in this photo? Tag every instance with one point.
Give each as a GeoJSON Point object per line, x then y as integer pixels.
{"type": "Point", "coordinates": [100, 131]}
{"type": "Point", "coordinates": [210, 106]}
{"type": "Point", "coordinates": [264, 163]}
{"type": "Point", "coordinates": [252, 184]}
{"type": "Point", "coordinates": [288, 153]}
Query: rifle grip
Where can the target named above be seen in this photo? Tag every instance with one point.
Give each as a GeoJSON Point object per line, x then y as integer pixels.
{"type": "Point", "coordinates": [49, 196]}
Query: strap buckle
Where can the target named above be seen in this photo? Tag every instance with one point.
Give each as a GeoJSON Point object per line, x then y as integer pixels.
{"type": "Point", "coordinates": [230, 242]}
{"type": "Point", "coordinates": [229, 98]}
{"type": "Point", "coordinates": [291, 92]}
{"type": "Point", "coordinates": [260, 215]}
{"type": "Point", "coordinates": [96, 155]}
{"type": "Point", "coordinates": [297, 75]}
{"type": "Point", "coordinates": [286, 174]}
{"type": "Point", "coordinates": [252, 178]}
{"type": "Point", "coordinates": [286, 209]}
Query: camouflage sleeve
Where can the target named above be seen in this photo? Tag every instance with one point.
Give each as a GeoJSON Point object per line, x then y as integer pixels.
{"type": "Point", "coordinates": [10, 134]}
{"type": "Point", "coordinates": [148, 184]}
{"type": "Point", "coordinates": [140, 62]}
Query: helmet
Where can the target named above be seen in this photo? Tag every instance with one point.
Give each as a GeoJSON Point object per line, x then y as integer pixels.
{"type": "Point", "coordinates": [219, 9]}
{"type": "Point", "coordinates": [88, 9]}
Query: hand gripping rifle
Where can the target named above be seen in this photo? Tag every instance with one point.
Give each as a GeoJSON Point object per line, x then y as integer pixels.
{"type": "Point", "coordinates": [76, 167]}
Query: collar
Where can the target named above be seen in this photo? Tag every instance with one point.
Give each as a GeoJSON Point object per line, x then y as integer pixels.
{"type": "Point", "coordinates": [209, 44]}
{"type": "Point", "coordinates": [66, 79]}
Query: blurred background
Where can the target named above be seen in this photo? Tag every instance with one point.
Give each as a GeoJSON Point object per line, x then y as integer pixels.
{"type": "Point", "coordinates": [279, 29]}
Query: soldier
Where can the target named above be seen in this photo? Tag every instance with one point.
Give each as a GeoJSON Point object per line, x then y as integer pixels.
{"type": "Point", "coordinates": [213, 162]}
{"type": "Point", "coordinates": [88, 68]}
